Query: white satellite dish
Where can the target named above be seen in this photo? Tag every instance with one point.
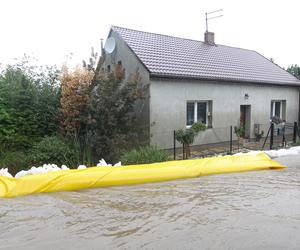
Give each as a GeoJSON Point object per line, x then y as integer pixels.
{"type": "Point", "coordinates": [110, 45]}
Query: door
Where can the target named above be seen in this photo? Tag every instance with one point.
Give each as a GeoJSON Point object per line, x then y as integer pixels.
{"type": "Point", "coordinates": [245, 120]}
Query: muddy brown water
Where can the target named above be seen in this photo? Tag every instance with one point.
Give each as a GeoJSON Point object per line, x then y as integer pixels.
{"type": "Point", "coordinates": [253, 210]}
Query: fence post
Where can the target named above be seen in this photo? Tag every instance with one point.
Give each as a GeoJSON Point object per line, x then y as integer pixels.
{"type": "Point", "coordinates": [283, 137]}
{"type": "Point", "coordinates": [295, 132]}
{"type": "Point", "coordinates": [272, 135]}
{"type": "Point", "coordinates": [231, 140]}
{"type": "Point", "coordinates": [174, 148]}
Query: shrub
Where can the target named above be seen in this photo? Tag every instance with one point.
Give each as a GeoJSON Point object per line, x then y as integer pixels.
{"type": "Point", "coordinates": [144, 155]}
{"type": "Point", "coordinates": [198, 126]}
{"type": "Point", "coordinates": [54, 149]}
{"type": "Point", "coordinates": [186, 136]}
{"type": "Point", "coordinates": [29, 105]}
{"type": "Point", "coordinates": [114, 118]}
{"type": "Point", "coordinates": [14, 161]}
{"type": "Point", "coordinates": [239, 130]}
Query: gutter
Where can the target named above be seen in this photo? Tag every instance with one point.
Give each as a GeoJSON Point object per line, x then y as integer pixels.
{"type": "Point", "coordinates": [157, 76]}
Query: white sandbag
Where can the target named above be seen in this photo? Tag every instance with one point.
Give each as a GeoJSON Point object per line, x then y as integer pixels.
{"type": "Point", "coordinates": [81, 167]}
{"type": "Point", "coordinates": [4, 172]}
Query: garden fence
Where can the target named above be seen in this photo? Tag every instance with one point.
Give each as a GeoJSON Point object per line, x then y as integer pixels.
{"type": "Point", "coordinates": [226, 141]}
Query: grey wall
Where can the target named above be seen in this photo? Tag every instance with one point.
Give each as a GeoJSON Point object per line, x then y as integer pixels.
{"type": "Point", "coordinates": [129, 60]}
{"type": "Point", "coordinates": [168, 107]}
{"type": "Point", "coordinates": [131, 64]}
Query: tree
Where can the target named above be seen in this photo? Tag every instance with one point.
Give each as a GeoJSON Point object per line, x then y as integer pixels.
{"type": "Point", "coordinates": [112, 110]}
{"type": "Point", "coordinates": [186, 137]}
{"type": "Point", "coordinates": [239, 132]}
{"type": "Point", "coordinates": [75, 89]}
{"type": "Point", "coordinates": [294, 70]}
{"type": "Point", "coordinates": [29, 103]}
{"type": "Point", "coordinates": [74, 99]}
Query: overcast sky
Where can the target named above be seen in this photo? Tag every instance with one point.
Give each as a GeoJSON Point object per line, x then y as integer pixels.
{"type": "Point", "coordinates": [51, 29]}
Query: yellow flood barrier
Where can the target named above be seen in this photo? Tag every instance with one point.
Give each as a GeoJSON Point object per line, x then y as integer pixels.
{"type": "Point", "coordinates": [126, 175]}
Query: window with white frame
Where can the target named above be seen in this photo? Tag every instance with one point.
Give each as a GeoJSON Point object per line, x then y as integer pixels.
{"type": "Point", "coordinates": [198, 111]}
{"type": "Point", "coordinates": [278, 108]}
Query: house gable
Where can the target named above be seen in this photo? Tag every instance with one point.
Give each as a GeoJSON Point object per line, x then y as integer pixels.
{"type": "Point", "coordinates": [124, 54]}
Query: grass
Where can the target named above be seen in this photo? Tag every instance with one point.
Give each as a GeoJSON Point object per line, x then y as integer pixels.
{"type": "Point", "coordinates": [144, 155]}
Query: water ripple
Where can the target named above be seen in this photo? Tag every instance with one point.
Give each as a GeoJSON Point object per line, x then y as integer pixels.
{"type": "Point", "coordinates": [243, 210]}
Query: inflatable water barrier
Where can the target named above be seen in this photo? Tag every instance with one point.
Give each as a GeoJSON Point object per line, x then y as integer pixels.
{"type": "Point", "coordinates": [93, 177]}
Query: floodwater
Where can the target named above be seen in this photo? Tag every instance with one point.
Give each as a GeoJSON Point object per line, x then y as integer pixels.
{"type": "Point", "coordinates": [253, 210]}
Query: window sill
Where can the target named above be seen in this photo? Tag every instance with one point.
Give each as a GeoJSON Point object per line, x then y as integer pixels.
{"type": "Point", "coordinates": [207, 126]}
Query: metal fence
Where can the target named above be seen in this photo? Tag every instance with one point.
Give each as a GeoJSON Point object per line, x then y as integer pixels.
{"type": "Point", "coordinates": [226, 141]}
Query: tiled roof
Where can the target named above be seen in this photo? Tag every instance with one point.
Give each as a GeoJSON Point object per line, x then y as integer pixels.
{"type": "Point", "coordinates": [168, 56]}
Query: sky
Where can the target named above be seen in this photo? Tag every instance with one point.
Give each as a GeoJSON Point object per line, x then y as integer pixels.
{"type": "Point", "coordinates": [50, 30]}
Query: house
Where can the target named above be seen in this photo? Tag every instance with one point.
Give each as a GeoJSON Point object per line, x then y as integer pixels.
{"type": "Point", "coordinates": [191, 81]}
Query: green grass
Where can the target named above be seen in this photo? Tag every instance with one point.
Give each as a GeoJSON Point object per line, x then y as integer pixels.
{"type": "Point", "coordinates": [144, 155]}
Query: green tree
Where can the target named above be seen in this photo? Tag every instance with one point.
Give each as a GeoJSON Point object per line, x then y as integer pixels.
{"type": "Point", "coordinates": [112, 112]}
{"type": "Point", "coordinates": [294, 70]}
{"type": "Point", "coordinates": [186, 137]}
{"type": "Point", "coordinates": [29, 104]}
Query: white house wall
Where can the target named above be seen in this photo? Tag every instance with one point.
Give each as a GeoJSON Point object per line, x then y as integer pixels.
{"type": "Point", "coordinates": [168, 107]}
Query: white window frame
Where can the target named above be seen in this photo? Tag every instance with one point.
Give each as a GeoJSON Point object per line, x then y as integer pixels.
{"type": "Point", "coordinates": [196, 112]}
{"type": "Point", "coordinates": [273, 104]}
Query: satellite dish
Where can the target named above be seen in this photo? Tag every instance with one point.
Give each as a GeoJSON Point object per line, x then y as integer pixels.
{"type": "Point", "coordinates": [110, 45]}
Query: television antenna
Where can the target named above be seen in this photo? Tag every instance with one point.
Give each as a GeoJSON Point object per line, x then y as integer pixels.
{"type": "Point", "coordinates": [207, 17]}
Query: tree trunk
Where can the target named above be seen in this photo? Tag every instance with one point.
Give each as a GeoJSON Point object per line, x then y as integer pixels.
{"type": "Point", "coordinates": [188, 151]}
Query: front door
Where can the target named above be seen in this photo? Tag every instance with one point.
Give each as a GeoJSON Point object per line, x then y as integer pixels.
{"type": "Point", "coordinates": [245, 120]}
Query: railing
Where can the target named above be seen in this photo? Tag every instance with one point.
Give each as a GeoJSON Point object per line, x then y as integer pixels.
{"type": "Point", "coordinates": [278, 135]}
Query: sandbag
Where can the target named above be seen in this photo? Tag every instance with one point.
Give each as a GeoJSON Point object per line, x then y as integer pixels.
{"type": "Point", "coordinates": [76, 179]}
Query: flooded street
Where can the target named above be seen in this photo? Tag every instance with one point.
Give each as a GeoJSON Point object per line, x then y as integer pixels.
{"type": "Point", "coordinates": [253, 210]}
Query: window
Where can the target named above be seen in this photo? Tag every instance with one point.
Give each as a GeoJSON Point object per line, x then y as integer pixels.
{"type": "Point", "coordinates": [198, 111]}
{"type": "Point", "coordinates": [190, 111]}
{"type": "Point", "coordinates": [278, 109]}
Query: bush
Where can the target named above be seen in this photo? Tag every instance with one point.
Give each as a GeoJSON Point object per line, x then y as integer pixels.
{"type": "Point", "coordinates": [54, 149]}
{"type": "Point", "coordinates": [186, 137]}
{"type": "Point", "coordinates": [144, 155]}
{"type": "Point", "coordinates": [198, 126]}
{"type": "Point", "coordinates": [15, 161]}
{"type": "Point", "coordinates": [29, 105]}
{"type": "Point", "coordinates": [114, 119]}
{"type": "Point", "coordinates": [17, 142]}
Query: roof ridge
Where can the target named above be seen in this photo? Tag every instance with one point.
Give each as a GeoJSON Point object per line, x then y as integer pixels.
{"type": "Point", "coordinates": [154, 33]}
{"type": "Point", "coordinates": [189, 39]}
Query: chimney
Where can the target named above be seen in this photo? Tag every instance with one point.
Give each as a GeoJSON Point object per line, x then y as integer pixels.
{"type": "Point", "coordinates": [209, 38]}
